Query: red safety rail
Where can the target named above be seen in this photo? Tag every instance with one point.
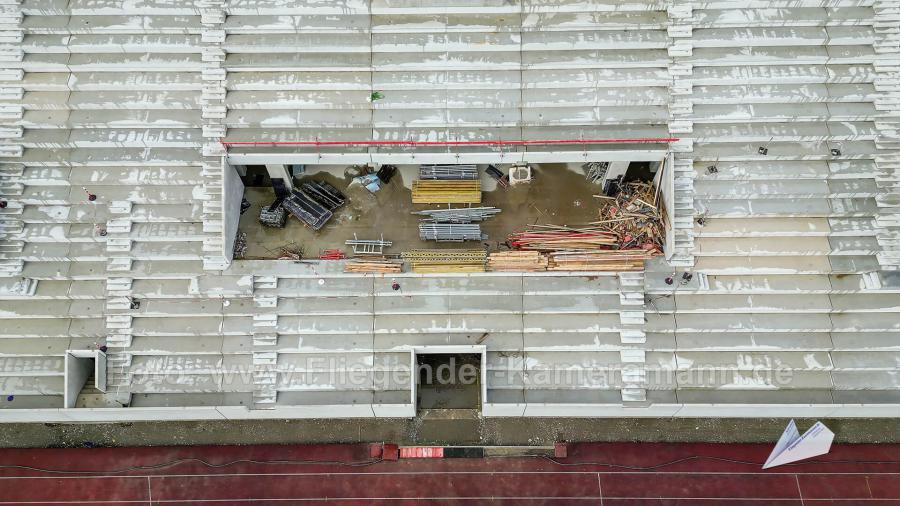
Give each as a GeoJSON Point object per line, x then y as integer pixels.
{"type": "Point", "coordinates": [421, 452]}
{"type": "Point", "coordinates": [318, 143]}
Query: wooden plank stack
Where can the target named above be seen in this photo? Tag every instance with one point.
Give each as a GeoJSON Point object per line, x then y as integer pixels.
{"type": "Point", "coordinates": [446, 192]}
{"type": "Point", "coordinates": [447, 260]}
{"type": "Point", "coordinates": [517, 261]}
{"type": "Point", "coordinates": [553, 237]}
{"type": "Point", "coordinates": [598, 260]}
{"type": "Point", "coordinates": [373, 265]}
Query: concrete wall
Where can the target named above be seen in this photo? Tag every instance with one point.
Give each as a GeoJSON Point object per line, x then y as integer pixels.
{"type": "Point", "coordinates": [78, 370]}
{"type": "Point", "coordinates": [665, 181]}
{"type": "Point", "coordinates": [231, 206]}
{"type": "Point", "coordinates": [402, 411]}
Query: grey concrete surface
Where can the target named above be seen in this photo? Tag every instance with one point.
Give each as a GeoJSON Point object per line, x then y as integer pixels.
{"type": "Point", "coordinates": [429, 429]}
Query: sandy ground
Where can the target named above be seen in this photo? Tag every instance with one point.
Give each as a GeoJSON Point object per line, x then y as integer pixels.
{"type": "Point", "coordinates": [433, 428]}
{"type": "Point", "coordinates": [557, 195]}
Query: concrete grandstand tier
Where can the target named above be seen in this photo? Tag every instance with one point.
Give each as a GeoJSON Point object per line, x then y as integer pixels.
{"type": "Point", "coordinates": [785, 204]}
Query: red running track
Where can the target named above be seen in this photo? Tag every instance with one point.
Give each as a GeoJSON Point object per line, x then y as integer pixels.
{"type": "Point", "coordinates": [344, 474]}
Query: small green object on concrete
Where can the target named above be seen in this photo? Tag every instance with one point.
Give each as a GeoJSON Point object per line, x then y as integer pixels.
{"type": "Point", "coordinates": [377, 95]}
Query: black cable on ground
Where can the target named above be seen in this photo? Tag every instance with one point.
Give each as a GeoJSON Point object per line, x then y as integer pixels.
{"type": "Point", "coordinates": [176, 462]}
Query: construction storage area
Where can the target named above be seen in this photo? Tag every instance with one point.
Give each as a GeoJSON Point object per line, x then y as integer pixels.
{"type": "Point", "coordinates": [556, 210]}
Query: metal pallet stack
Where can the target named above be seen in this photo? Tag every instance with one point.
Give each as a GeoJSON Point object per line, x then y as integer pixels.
{"type": "Point", "coordinates": [312, 204]}
{"type": "Point", "coordinates": [307, 210]}
{"type": "Point", "coordinates": [324, 194]}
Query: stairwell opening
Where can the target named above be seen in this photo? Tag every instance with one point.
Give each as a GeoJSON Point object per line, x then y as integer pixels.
{"type": "Point", "coordinates": [85, 378]}
{"type": "Point", "coordinates": [449, 380]}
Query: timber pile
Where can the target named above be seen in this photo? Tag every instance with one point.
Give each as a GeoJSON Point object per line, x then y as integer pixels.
{"type": "Point", "coordinates": [552, 238]}
{"type": "Point", "coordinates": [599, 260]}
{"type": "Point", "coordinates": [448, 260]}
{"type": "Point", "coordinates": [373, 265]}
{"type": "Point", "coordinates": [630, 231]}
{"type": "Point", "coordinates": [446, 192]}
{"type": "Point", "coordinates": [517, 261]}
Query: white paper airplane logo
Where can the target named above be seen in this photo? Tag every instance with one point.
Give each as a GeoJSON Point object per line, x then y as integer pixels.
{"type": "Point", "coordinates": [792, 447]}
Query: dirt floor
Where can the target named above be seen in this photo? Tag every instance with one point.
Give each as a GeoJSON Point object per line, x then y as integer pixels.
{"type": "Point", "coordinates": [448, 381]}
{"type": "Point", "coordinates": [557, 195]}
{"type": "Point", "coordinates": [430, 429]}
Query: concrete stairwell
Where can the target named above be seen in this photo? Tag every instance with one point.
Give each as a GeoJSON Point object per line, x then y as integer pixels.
{"type": "Point", "coordinates": [631, 317]}
{"type": "Point", "coordinates": [11, 90]}
{"type": "Point", "coordinates": [11, 226]}
{"type": "Point", "coordinates": [887, 159]}
{"type": "Point", "coordinates": [265, 340]}
{"type": "Point", "coordinates": [213, 113]}
{"type": "Point", "coordinates": [117, 233]}
{"type": "Point", "coordinates": [681, 108]}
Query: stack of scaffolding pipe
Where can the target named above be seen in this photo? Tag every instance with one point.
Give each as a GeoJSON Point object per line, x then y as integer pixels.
{"type": "Point", "coordinates": [462, 215]}
{"type": "Point", "coordinates": [457, 232]}
{"type": "Point", "coordinates": [448, 172]}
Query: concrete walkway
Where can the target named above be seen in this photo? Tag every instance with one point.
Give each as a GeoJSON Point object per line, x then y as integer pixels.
{"type": "Point", "coordinates": [432, 430]}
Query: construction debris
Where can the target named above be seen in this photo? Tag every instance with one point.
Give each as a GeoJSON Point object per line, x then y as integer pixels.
{"type": "Point", "coordinates": [461, 215]}
{"type": "Point", "coordinates": [448, 172]}
{"type": "Point", "coordinates": [291, 252]}
{"type": "Point", "coordinates": [634, 217]}
{"type": "Point", "coordinates": [446, 192]}
{"type": "Point", "coordinates": [448, 260]}
{"type": "Point", "coordinates": [369, 181]}
{"type": "Point", "coordinates": [517, 261]}
{"type": "Point", "coordinates": [373, 265]}
{"type": "Point", "coordinates": [501, 178]}
{"type": "Point", "coordinates": [596, 171]}
{"type": "Point", "coordinates": [451, 232]}
{"type": "Point", "coordinates": [240, 244]}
